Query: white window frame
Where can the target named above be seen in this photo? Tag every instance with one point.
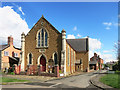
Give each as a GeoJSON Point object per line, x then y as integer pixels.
{"type": "Point", "coordinates": [15, 54]}
{"type": "Point", "coordinates": [6, 53]}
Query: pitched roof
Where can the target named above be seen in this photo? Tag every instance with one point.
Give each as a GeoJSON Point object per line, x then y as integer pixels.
{"type": "Point", "coordinates": [2, 47]}
{"type": "Point", "coordinates": [17, 48]}
{"type": "Point", "coordinates": [79, 45]}
{"type": "Point", "coordinates": [46, 21]}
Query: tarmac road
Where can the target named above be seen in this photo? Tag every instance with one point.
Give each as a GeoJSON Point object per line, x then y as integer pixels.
{"type": "Point", "coordinates": [79, 81]}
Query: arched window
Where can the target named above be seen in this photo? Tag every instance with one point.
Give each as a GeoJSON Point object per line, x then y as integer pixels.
{"type": "Point", "coordinates": [39, 39]}
{"type": "Point", "coordinates": [55, 58]}
{"type": "Point", "coordinates": [42, 38]}
{"type": "Point", "coordinates": [30, 58]}
{"type": "Point", "coordinates": [46, 36]}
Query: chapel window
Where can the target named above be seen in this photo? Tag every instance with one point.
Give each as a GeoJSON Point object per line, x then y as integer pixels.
{"type": "Point", "coordinates": [30, 58]}
{"type": "Point", "coordinates": [42, 38]}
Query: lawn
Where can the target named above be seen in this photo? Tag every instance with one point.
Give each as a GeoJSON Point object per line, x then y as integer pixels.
{"type": "Point", "coordinates": [112, 80]}
{"type": "Point", "coordinates": [6, 79]}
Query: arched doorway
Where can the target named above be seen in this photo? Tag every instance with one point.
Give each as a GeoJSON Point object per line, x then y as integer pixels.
{"type": "Point", "coordinates": [43, 63]}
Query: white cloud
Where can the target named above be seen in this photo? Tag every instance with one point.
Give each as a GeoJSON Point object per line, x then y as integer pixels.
{"type": "Point", "coordinates": [11, 23]}
{"type": "Point", "coordinates": [107, 28]}
{"type": "Point", "coordinates": [70, 36]}
{"type": "Point", "coordinates": [94, 44]}
{"type": "Point", "coordinates": [75, 28]}
{"type": "Point", "coordinates": [107, 51]}
{"type": "Point", "coordinates": [107, 23]}
{"type": "Point", "coordinates": [20, 9]}
{"type": "Point", "coordinates": [79, 36]}
{"type": "Point", "coordinates": [108, 57]}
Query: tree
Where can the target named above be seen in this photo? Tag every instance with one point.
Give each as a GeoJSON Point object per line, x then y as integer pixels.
{"type": "Point", "coordinates": [117, 49]}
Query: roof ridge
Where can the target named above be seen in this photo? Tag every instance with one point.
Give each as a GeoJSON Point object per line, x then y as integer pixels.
{"type": "Point", "coordinates": [76, 39]}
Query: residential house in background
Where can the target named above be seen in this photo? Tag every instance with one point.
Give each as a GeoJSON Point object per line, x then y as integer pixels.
{"type": "Point", "coordinates": [96, 62]}
{"type": "Point", "coordinates": [9, 55]}
{"type": "Point", "coordinates": [45, 47]}
{"type": "Point", "coordinates": [111, 64]}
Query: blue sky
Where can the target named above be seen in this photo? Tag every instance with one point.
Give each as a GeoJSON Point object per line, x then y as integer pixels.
{"type": "Point", "coordinates": [98, 20]}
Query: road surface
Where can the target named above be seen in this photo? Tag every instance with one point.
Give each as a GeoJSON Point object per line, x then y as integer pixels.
{"type": "Point", "coordinates": [78, 81]}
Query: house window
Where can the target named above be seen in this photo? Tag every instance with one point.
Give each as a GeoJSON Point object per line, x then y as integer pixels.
{"type": "Point", "coordinates": [6, 53]}
{"type": "Point", "coordinates": [55, 58]}
{"type": "Point", "coordinates": [30, 58]}
{"type": "Point", "coordinates": [42, 38]}
{"type": "Point", "coordinates": [15, 54]}
{"type": "Point", "coordinates": [68, 55]}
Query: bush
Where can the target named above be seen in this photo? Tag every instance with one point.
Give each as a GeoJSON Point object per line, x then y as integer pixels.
{"type": "Point", "coordinates": [60, 71]}
{"type": "Point", "coordinates": [12, 73]}
{"type": "Point", "coordinates": [116, 66]}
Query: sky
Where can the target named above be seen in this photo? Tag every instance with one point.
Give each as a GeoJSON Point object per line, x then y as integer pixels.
{"type": "Point", "coordinates": [98, 20]}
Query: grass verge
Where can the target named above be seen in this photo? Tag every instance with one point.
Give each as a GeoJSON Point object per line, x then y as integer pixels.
{"type": "Point", "coordinates": [6, 80]}
{"type": "Point", "coordinates": [112, 80]}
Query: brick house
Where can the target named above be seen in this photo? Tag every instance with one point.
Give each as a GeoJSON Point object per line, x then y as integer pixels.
{"type": "Point", "coordinates": [9, 55]}
{"type": "Point", "coordinates": [96, 62]}
{"type": "Point", "coordinates": [44, 46]}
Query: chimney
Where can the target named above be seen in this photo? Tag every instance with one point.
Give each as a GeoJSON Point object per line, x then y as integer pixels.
{"type": "Point", "coordinates": [10, 40]}
{"type": "Point", "coordinates": [95, 54]}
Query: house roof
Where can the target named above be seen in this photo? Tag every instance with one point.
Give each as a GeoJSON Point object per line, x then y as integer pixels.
{"type": "Point", "coordinates": [79, 45]}
{"type": "Point", "coordinates": [2, 47]}
{"type": "Point", "coordinates": [17, 48]}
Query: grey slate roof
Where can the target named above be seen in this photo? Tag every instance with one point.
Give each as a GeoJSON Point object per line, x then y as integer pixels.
{"type": "Point", "coordinates": [3, 46]}
{"type": "Point", "coordinates": [79, 45]}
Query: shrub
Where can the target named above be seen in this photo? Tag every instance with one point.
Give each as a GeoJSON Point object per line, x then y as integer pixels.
{"type": "Point", "coordinates": [12, 73]}
{"type": "Point", "coordinates": [60, 71]}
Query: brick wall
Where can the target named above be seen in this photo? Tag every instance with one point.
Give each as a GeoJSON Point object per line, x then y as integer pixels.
{"type": "Point", "coordinates": [54, 42]}
{"type": "Point", "coordinates": [71, 67]}
{"type": "Point", "coordinates": [85, 59]}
